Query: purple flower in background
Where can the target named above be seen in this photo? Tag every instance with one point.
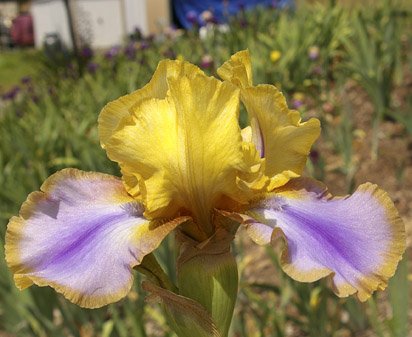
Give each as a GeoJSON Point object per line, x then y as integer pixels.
{"type": "Point", "coordinates": [112, 53]}
{"type": "Point", "coordinates": [298, 100]}
{"type": "Point", "coordinates": [11, 94]}
{"type": "Point", "coordinates": [241, 5]}
{"type": "Point", "coordinates": [26, 80]}
{"type": "Point", "coordinates": [130, 50]}
{"type": "Point", "coordinates": [206, 62]}
{"type": "Point", "coordinates": [297, 103]}
{"type": "Point", "coordinates": [87, 52]}
{"type": "Point", "coordinates": [191, 16]}
{"type": "Point", "coordinates": [92, 67]}
{"type": "Point", "coordinates": [145, 44]}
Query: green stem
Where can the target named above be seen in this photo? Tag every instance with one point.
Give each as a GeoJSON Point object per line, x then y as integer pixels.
{"type": "Point", "coordinates": [208, 275]}
{"type": "Point", "coordinates": [152, 269]}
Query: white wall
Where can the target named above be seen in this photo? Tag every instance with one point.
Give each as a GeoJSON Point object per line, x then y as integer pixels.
{"type": "Point", "coordinates": [105, 22]}
{"type": "Point", "coordinates": [136, 15]}
{"type": "Point", "coordinates": [49, 16]}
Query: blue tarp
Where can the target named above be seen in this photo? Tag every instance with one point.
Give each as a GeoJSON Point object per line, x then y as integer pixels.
{"type": "Point", "coordinates": [187, 11]}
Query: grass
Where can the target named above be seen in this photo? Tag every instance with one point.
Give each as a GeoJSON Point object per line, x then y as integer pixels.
{"type": "Point", "coordinates": [18, 63]}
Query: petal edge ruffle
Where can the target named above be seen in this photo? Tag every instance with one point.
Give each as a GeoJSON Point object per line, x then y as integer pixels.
{"type": "Point", "coordinates": [115, 111]}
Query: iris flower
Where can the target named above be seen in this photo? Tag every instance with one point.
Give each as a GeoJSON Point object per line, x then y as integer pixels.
{"type": "Point", "coordinates": [186, 162]}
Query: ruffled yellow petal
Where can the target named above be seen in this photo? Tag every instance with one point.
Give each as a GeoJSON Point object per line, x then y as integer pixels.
{"type": "Point", "coordinates": [187, 148]}
{"type": "Point", "coordinates": [238, 70]}
{"type": "Point", "coordinates": [277, 132]}
{"type": "Point", "coordinates": [115, 111]}
{"type": "Point", "coordinates": [284, 140]}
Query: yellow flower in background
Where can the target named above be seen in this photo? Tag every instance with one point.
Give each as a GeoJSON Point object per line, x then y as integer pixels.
{"type": "Point", "coordinates": [180, 57]}
{"type": "Point", "coordinates": [299, 96]}
{"type": "Point", "coordinates": [275, 55]}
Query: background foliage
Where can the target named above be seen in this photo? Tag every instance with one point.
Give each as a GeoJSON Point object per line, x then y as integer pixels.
{"type": "Point", "coordinates": [350, 67]}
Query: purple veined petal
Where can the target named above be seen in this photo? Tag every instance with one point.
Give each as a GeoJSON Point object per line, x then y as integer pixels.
{"type": "Point", "coordinates": [81, 234]}
{"type": "Point", "coordinates": [357, 240]}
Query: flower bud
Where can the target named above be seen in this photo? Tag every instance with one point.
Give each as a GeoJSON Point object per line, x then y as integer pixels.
{"type": "Point", "coordinates": [207, 273]}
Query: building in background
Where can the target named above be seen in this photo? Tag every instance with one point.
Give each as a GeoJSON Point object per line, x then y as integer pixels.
{"type": "Point", "coordinates": [97, 23]}
{"type": "Point", "coordinates": [105, 23]}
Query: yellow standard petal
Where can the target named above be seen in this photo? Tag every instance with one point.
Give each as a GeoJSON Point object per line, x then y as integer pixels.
{"type": "Point", "coordinates": [116, 110]}
{"type": "Point", "coordinates": [187, 148]}
{"type": "Point", "coordinates": [277, 132]}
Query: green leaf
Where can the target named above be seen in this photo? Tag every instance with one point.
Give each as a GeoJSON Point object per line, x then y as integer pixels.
{"type": "Point", "coordinates": [399, 299]}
